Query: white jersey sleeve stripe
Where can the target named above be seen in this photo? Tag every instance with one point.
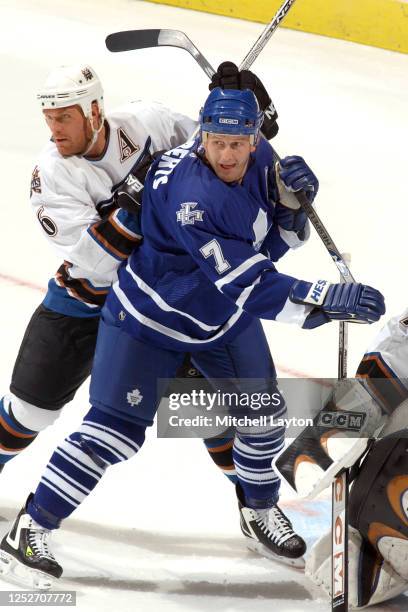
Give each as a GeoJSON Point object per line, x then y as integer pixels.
{"type": "Point", "coordinates": [167, 331]}
{"type": "Point", "coordinates": [246, 265]}
{"type": "Point", "coordinates": [163, 305]}
{"type": "Point", "coordinates": [246, 293]}
{"type": "Point", "coordinates": [293, 313]}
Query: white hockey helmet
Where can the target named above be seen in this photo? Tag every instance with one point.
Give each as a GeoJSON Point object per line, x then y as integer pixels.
{"type": "Point", "coordinates": [69, 85]}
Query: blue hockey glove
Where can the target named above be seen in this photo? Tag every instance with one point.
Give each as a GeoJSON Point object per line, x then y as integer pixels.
{"type": "Point", "coordinates": [296, 175]}
{"type": "Point", "coordinates": [289, 219]}
{"type": "Point", "coordinates": [293, 174]}
{"type": "Point", "coordinates": [339, 301]}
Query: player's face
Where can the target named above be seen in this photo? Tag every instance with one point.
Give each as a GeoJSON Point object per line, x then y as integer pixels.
{"type": "Point", "coordinates": [228, 155]}
{"type": "Point", "coordinates": [70, 130]}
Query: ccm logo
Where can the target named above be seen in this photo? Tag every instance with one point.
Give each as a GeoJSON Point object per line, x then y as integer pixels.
{"type": "Point", "coordinates": [339, 534]}
{"type": "Point", "coordinates": [338, 574]}
{"type": "Point", "coordinates": [228, 121]}
{"type": "Point", "coordinates": [338, 492]}
{"type": "Point", "coordinates": [352, 421]}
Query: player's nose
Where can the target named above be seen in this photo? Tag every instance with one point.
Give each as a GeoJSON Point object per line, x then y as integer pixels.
{"type": "Point", "coordinates": [56, 130]}
{"type": "Point", "coordinates": [226, 154]}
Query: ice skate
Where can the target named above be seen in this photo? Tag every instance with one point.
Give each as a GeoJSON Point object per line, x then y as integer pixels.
{"type": "Point", "coordinates": [24, 554]}
{"type": "Point", "coordinates": [270, 534]}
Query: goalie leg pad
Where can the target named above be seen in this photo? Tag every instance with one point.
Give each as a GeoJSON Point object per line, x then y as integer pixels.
{"type": "Point", "coordinates": [371, 579]}
{"type": "Point", "coordinates": [379, 501]}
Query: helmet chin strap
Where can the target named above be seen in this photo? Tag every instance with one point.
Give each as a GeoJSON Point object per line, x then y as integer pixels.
{"type": "Point", "coordinates": [94, 138]}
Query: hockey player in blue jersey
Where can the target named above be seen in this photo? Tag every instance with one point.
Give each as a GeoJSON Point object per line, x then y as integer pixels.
{"type": "Point", "coordinates": [217, 212]}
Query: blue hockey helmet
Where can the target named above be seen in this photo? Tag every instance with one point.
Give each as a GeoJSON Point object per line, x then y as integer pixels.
{"type": "Point", "coordinates": [231, 111]}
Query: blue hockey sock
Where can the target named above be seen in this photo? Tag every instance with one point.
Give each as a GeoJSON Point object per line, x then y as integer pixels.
{"type": "Point", "coordinates": [253, 462]}
{"type": "Point", "coordinates": [78, 464]}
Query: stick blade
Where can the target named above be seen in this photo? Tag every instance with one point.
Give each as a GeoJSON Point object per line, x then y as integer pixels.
{"type": "Point", "coordinates": [132, 39]}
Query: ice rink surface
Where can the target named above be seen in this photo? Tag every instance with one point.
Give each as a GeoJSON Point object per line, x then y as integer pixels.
{"type": "Point", "coordinates": [161, 532]}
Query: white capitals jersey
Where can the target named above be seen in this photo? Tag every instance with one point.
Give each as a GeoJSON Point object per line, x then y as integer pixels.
{"type": "Point", "coordinates": [72, 199]}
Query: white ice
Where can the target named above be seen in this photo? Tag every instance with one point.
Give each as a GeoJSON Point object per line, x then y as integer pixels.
{"type": "Point", "coordinates": [161, 532]}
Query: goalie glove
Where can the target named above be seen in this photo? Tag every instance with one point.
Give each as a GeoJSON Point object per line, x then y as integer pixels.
{"type": "Point", "coordinates": [339, 301]}
{"type": "Point", "coordinates": [228, 76]}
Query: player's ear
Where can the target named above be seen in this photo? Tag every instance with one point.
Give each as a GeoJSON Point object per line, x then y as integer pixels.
{"type": "Point", "coordinates": [96, 113]}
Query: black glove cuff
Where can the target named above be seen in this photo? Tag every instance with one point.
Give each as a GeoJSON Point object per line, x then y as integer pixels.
{"type": "Point", "coordinates": [269, 128]}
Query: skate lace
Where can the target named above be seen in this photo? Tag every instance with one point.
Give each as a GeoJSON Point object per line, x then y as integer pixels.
{"type": "Point", "coordinates": [275, 525]}
{"type": "Point", "coordinates": [38, 540]}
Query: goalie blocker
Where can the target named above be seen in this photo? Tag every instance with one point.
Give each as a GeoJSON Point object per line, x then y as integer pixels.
{"type": "Point", "coordinates": [339, 436]}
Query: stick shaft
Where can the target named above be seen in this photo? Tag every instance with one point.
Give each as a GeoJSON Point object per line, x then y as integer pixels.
{"type": "Point", "coordinates": [340, 490]}
{"type": "Point", "coordinates": [266, 34]}
{"type": "Point", "coordinates": [343, 336]}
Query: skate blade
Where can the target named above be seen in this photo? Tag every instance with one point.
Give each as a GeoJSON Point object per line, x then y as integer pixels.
{"type": "Point", "coordinates": [260, 549]}
{"type": "Point", "coordinates": [15, 571]}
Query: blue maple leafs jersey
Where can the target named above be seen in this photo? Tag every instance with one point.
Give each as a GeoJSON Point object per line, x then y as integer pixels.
{"type": "Point", "coordinates": [205, 267]}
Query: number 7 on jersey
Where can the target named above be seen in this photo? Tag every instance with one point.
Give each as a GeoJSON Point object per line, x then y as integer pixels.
{"type": "Point", "coordinates": [213, 248]}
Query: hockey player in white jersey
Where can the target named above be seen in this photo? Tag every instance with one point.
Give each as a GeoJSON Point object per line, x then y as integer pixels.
{"type": "Point", "coordinates": [216, 213]}
{"type": "Point", "coordinates": [378, 505]}
{"type": "Point", "coordinates": [79, 195]}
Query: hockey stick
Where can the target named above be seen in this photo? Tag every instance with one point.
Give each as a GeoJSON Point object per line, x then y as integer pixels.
{"type": "Point", "coordinates": [340, 492]}
{"type": "Point", "coordinates": [142, 39]}
{"type": "Point", "coordinates": [266, 34]}
{"type": "Point", "coordinates": [145, 39]}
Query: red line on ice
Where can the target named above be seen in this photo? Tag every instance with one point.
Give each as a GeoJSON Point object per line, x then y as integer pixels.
{"type": "Point", "coordinates": [21, 282]}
